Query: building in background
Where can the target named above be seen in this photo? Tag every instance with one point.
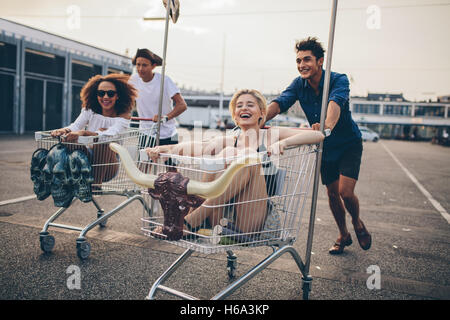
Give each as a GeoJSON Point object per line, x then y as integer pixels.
{"type": "Point", "coordinates": [41, 76]}
{"type": "Point", "coordinates": [392, 117]}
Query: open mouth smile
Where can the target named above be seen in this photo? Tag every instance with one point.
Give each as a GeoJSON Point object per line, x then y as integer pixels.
{"type": "Point", "coordinates": [245, 115]}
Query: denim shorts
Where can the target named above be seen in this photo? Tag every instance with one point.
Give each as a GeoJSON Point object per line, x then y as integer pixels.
{"type": "Point", "coordinates": [347, 165]}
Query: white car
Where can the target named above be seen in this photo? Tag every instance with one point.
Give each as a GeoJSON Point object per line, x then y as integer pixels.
{"type": "Point", "coordinates": [368, 135]}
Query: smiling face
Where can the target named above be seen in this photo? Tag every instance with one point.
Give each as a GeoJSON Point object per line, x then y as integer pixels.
{"type": "Point", "coordinates": [247, 111]}
{"type": "Point", "coordinates": [106, 101]}
{"type": "Point", "coordinates": [308, 65]}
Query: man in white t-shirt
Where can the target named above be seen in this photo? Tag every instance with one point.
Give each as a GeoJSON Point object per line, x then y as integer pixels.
{"type": "Point", "coordinates": [148, 84]}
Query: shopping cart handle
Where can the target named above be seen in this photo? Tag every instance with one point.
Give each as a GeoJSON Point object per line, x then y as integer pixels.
{"type": "Point", "coordinates": [39, 135]}
{"type": "Point", "coordinates": [163, 120]}
{"type": "Point", "coordinates": [143, 156]}
{"type": "Point", "coordinates": [86, 139]}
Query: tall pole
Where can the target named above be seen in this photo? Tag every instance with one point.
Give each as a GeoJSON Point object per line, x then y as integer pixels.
{"type": "Point", "coordinates": [222, 78]}
{"type": "Point", "coordinates": [326, 87]}
{"type": "Point", "coordinates": [163, 73]}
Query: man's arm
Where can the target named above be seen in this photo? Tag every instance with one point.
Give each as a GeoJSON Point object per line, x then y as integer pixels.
{"type": "Point", "coordinates": [272, 110]}
{"type": "Point", "coordinates": [332, 118]}
{"type": "Point", "coordinates": [284, 101]}
{"type": "Point", "coordinates": [339, 95]}
{"type": "Point", "coordinates": [180, 106]}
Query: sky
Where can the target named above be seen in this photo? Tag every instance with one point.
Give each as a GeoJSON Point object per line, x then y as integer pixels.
{"type": "Point", "coordinates": [390, 46]}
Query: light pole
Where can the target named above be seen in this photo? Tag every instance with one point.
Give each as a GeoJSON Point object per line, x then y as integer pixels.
{"type": "Point", "coordinates": [172, 11]}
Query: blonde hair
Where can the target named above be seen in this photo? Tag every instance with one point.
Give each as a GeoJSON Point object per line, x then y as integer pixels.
{"type": "Point", "coordinates": [262, 103]}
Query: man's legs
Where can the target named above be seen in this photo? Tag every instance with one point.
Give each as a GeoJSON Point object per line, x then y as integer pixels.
{"type": "Point", "coordinates": [340, 178]}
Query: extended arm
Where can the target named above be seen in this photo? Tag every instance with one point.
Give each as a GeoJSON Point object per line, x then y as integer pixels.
{"type": "Point", "coordinates": [281, 138]}
{"type": "Point", "coordinates": [191, 148]}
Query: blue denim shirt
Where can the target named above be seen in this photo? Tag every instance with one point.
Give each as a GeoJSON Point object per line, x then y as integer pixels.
{"type": "Point", "coordinates": [346, 132]}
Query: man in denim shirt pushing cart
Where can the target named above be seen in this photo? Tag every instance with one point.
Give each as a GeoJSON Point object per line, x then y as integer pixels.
{"type": "Point", "coordinates": [342, 149]}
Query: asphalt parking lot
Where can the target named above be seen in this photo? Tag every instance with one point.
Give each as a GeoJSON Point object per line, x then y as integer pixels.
{"type": "Point", "coordinates": [403, 193]}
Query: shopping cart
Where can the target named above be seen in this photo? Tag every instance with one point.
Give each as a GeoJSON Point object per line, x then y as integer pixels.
{"type": "Point", "coordinates": [117, 183]}
{"type": "Point", "coordinates": [232, 224]}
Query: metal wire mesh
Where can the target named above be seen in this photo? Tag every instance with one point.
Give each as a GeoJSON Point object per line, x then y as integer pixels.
{"type": "Point", "coordinates": [110, 176]}
{"type": "Point", "coordinates": [262, 205]}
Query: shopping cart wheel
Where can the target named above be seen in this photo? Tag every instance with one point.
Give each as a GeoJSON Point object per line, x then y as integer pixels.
{"type": "Point", "coordinates": [103, 223]}
{"type": "Point", "coordinates": [231, 265]}
{"type": "Point", "coordinates": [47, 242]}
{"type": "Point", "coordinates": [83, 249]}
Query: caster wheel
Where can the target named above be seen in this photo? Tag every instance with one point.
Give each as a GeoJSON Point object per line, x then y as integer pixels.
{"type": "Point", "coordinates": [231, 272]}
{"type": "Point", "coordinates": [83, 250]}
{"type": "Point", "coordinates": [103, 223]}
{"type": "Point", "coordinates": [231, 266]}
{"type": "Point", "coordinates": [47, 243]}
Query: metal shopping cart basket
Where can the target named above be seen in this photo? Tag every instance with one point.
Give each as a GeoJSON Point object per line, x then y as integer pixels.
{"type": "Point", "coordinates": [117, 183]}
{"type": "Point", "coordinates": [265, 218]}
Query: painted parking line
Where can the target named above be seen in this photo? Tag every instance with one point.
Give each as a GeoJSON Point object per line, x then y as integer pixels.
{"type": "Point", "coordinates": [17, 151]}
{"type": "Point", "coordinates": [430, 198]}
{"type": "Point", "coordinates": [11, 201]}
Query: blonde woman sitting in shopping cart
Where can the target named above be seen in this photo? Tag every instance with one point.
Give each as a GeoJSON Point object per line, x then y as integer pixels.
{"type": "Point", "coordinates": [248, 110]}
{"type": "Point", "coordinates": [106, 110]}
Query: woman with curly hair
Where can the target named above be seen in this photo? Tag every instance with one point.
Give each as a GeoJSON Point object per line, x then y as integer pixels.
{"type": "Point", "coordinates": [106, 110]}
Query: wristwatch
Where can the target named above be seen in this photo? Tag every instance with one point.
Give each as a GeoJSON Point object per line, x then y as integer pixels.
{"type": "Point", "coordinates": [327, 132]}
{"type": "Point", "coordinates": [164, 119]}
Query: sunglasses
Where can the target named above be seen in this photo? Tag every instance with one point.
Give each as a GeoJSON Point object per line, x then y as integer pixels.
{"type": "Point", "coordinates": [110, 93]}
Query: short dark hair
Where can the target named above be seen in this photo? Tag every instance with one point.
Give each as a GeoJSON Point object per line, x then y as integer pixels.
{"type": "Point", "coordinates": [147, 54]}
{"type": "Point", "coordinates": [310, 43]}
{"type": "Point", "coordinates": [125, 92]}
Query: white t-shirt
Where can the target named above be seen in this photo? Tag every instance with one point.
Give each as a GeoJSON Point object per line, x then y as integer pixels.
{"type": "Point", "coordinates": [95, 121]}
{"type": "Point", "coordinates": [147, 102]}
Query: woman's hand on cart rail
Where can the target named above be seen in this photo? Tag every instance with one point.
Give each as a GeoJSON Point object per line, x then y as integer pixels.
{"type": "Point", "coordinates": [72, 136]}
{"type": "Point", "coordinates": [276, 148]}
{"type": "Point", "coordinates": [59, 132]}
{"type": "Point", "coordinates": [153, 153]}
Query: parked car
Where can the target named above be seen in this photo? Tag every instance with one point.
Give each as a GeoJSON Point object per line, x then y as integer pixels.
{"type": "Point", "coordinates": [368, 135]}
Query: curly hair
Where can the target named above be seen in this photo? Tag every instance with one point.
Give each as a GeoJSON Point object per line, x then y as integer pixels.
{"type": "Point", "coordinates": [310, 43]}
{"type": "Point", "coordinates": [262, 103]}
{"type": "Point", "coordinates": [126, 93]}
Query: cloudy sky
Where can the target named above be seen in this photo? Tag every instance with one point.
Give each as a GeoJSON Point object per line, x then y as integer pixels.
{"type": "Point", "coordinates": [393, 46]}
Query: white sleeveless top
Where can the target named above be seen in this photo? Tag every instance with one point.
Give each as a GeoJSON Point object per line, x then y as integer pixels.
{"type": "Point", "coordinates": [95, 121]}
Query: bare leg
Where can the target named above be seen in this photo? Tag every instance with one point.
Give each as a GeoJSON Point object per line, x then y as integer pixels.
{"type": "Point", "coordinates": [337, 208]}
{"type": "Point", "coordinates": [351, 202]}
{"type": "Point", "coordinates": [251, 214]}
{"type": "Point", "coordinates": [248, 184]}
{"type": "Point", "coordinates": [105, 163]}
